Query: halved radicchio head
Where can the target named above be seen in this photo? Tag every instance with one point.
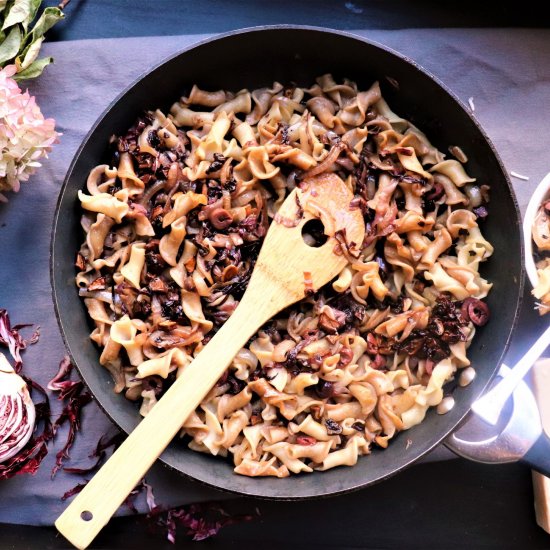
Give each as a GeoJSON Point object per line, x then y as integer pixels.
{"type": "Point", "coordinates": [17, 414]}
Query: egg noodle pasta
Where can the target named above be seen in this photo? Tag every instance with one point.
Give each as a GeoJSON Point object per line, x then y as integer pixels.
{"type": "Point", "coordinates": [541, 237]}
{"type": "Point", "coordinates": [173, 226]}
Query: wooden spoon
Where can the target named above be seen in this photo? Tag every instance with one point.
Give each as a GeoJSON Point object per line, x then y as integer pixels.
{"type": "Point", "coordinates": [285, 270]}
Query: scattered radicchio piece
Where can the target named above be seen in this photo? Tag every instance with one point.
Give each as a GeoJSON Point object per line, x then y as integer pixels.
{"type": "Point", "coordinates": [150, 497]}
{"type": "Point", "coordinates": [60, 381]}
{"type": "Point", "coordinates": [75, 490]}
{"type": "Point", "coordinates": [99, 453]}
{"type": "Point", "coordinates": [129, 500]}
{"type": "Point", "coordinates": [88, 470]}
{"type": "Point", "coordinates": [202, 521]}
{"type": "Point", "coordinates": [105, 442]}
{"type": "Point", "coordinates": [10, 337]}
{"type": "Point", "coordinates": [74, 398]}
{"type": "Point", "coordinates": [481, 212]}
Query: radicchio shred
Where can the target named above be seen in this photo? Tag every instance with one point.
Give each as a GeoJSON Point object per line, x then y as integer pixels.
{"type": "Point", "coordinates": [201, 521]}
{"type": "Point", "coordinates": [74, 399]}
{"type": "Point", "coordinates": [10, 337]}
{"type": "Point", "coordinates": [99, 453]}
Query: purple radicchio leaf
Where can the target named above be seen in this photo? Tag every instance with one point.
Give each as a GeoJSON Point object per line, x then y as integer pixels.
{"type": "Point", "coordinates": [99, 453]}
{"type": "Point", "coordinates": [75, 490]}
{"type": "Point", "coordinates": [10, 337]}
{"type": "Point", "coordinates": [74, 399]}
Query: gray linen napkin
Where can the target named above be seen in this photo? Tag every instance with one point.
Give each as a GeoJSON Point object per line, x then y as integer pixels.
{"type": "Point", "coordinates": [506, 71]}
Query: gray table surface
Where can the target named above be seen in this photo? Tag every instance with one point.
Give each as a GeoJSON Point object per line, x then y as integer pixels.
{"type": "Point", "coordinates": [507, 72]}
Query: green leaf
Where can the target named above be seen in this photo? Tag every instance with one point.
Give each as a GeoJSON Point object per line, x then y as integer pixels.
{"type": "Point", "coordinates": [33, 70]}
{"type": "Point", "coordinates": [19, 13]}
{"type": "Point", "coordinates": [10, 46]}
{"type": "Point", "coordinates": [31, 53]}
{"type": "Point", "coordinates": [50, 16]}
{"type": "Point", "coordinates": [35, 4]}
{"type": "Point", "coordinates": [6, 6]}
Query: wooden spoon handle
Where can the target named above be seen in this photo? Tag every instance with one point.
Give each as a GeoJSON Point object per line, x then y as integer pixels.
{"type": "Point", "coordinates": [93, 507]}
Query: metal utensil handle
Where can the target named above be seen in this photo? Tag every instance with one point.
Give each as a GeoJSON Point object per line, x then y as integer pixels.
{"type": "Point", "coordinates": [491, 404]}
{"type": "Point", "coordinates": [522, 439]}
{"type": "Point", "coordinates": [538, 456]}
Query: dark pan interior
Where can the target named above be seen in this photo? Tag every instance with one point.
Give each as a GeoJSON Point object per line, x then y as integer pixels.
{"type": "Point", "coordinates": [255, 58]}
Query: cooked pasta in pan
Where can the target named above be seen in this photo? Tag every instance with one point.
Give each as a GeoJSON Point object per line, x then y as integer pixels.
{"type": "Point", "coordinates": [541, 237]}
{"type": "Point", "coordinates": [173, 226]}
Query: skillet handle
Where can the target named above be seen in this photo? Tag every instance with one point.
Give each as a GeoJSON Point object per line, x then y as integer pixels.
{"type": "Point", "coordinates": [521, 439]}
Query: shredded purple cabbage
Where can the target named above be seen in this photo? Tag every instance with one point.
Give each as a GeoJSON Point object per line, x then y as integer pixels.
{"type": "Point", "coordinates": [74, 398]}
{"type": "Point", "coordinates": [75, 490]}
{"type": "Point", "coordinates": [201, 521]}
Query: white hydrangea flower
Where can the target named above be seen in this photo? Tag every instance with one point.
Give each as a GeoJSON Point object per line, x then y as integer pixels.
{"type": "Point", "coordinates": [25, 135]}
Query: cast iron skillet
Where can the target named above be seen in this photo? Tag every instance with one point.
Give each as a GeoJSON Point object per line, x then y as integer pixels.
{"type": "Point", "coordinates": [254, 58]}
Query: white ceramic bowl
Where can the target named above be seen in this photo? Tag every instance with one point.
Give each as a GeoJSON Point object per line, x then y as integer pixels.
{"type": "Point", "coordinates": [541, 193]}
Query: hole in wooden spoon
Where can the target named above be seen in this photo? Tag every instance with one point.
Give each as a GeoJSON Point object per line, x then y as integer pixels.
{"type": "Point", "coordinates": [87, 515]}
{"type": "Point", "coordinates": [313, 233]}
